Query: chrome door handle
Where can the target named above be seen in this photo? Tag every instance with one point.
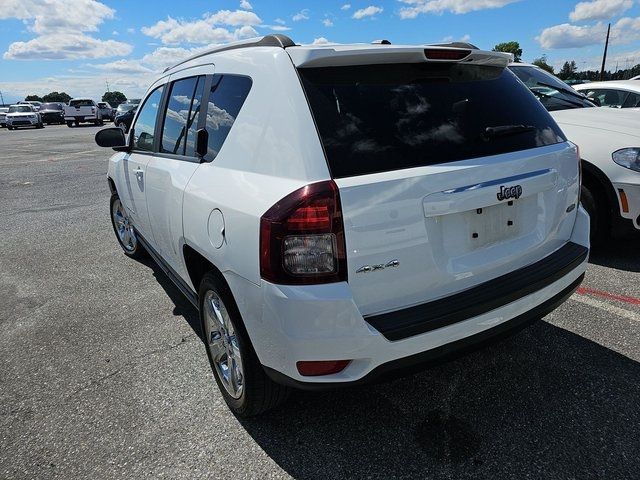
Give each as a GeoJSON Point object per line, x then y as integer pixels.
{"type": "Point", "coordinates": [139, 174]}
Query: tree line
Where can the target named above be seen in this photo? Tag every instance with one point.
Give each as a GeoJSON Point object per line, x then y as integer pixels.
{"type": "Point", "coordinates": [112, 98]}
{"type": "Point", "coordinates": [569, 70]}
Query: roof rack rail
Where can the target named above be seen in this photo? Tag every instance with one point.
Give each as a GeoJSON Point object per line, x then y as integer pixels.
{"type": "Point", "coordinates": [454, 45]}
{"type": "Point", "coordinates": [381, 42]}
{"type": "Point", "coordinates": [274, 40]}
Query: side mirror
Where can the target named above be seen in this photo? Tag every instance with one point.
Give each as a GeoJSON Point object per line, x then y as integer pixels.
{"type": "Point", "coordinates": [111, 137]}
{"type": "Point", "coordinates": [595, 100]}
{"type": "Point", "coordinates": [202, 142]}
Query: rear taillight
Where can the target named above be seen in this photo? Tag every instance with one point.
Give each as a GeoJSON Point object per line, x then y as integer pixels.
{"type": "Point", "coordinates": [302, 238]}
{"type": "Point", "coordinates": [441, 54]}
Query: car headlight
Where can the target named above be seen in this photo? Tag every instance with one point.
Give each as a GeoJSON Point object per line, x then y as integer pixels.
{"type": "Point", "coordinates": [628, 158]}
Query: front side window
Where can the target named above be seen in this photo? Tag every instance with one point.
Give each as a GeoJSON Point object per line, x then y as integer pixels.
{"type": "Point", "coordinates": [608, 97]}
{"type": "Point", "coordinates": [143, 130]}
{"type": "Point", "coordinates": [181, 117]}
{"type": "Point", "coordinates": [228, 93]}
{"type": "Point", "coordinates": [632, 100]}
{"type": "Point", "coordinates": [379, 118]}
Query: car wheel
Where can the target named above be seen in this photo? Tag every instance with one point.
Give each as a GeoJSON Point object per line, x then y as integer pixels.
{"type": "Point", "coordinates": [124, 230]}
{"type": "Point", "coordinates": [9, 128]}
{"type": "Point", "coordinates": [244, 385]}
{"type": "Point", "coordinates": [40, 125]}
{"type": "Point", "coordinates": [77, 123]}
{"type": "Point", "coordinates": [70, 124]}
{"type": "Point", "coordinates": [598, 214]}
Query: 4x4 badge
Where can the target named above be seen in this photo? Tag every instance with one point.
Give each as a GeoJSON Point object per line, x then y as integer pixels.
{"type": "Point", "coordinates": [380, 266]}
{"type": "Point", "coordinates": [506, 193]}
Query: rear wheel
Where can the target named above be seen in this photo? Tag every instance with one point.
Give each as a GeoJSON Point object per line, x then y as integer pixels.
{"type": "Point", "coordinates": [245, 387]}
{"type": "Point", "coordinates": [40, 125]}
{"type": "Point", "coordinates": [70, 124]}
{"type": "Point", "coordinates": [124, 230]}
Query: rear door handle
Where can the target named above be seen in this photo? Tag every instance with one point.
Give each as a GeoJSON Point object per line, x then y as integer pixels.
{"type": "Point", "coordinates": [139, 174]}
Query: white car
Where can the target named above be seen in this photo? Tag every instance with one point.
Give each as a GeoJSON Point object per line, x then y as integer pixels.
{"type": "Point", "coordinates": [3, 116]}
{"type": "Point", "coordinates": [80, 110]}
{"type": "Point", "coordinates": [609, 141]}
{"type": "Point", "coordinates": [337, 213]}
{"type": "Point", "coordinates": [23, 115]}
{"type": "Point", "coordinates": [613, 94]}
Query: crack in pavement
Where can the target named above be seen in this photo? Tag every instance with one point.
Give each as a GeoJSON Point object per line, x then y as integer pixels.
{"type": "Point", "coordinates": [185, 339]}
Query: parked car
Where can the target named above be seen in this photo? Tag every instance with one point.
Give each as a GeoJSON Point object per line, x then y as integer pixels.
{"type": "Point", "coordinates": [338, 213]}
{"type": "Point", "coordinates": [52, 112]}
{"type": "Point", "coordinates": [35, 103]}
{"type": "Point", "coordinates": [613, 94]}
{"type": "Point", "coordinates": [82, 110]}
{"type": "Point", "coordinates": [106, 110]}
{"type": "Point", "coordinates": [23, 115]}
{"type": "Point", "coordinates": [123, 120]}
{"type": "Point", "coordinates": [3, 116]}
{"type": "Point", "coordinates": [609, 141]}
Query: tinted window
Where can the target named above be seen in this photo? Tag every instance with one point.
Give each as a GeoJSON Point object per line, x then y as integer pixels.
{"type": "Point", "coordinates": [378, 118]}
{"type": "Point", "coordinates": [20, 109]}
{"type": "Point", "coordinates": [552, 92]}
{"type": "Point", "coordinates": [146, 122]}
{"type": "Point", "coordinates": [181, 118]}
{"type": "Point", "coordinates": [607, 97]}
{"type": "Point", "coordinates": [81, 103]}
{"type": "Point", "coordinates": [51, 106]}
{"type": "Point", "coordinates": [632, 101]}
{"type": "Point", "coordinates": [228, 93]}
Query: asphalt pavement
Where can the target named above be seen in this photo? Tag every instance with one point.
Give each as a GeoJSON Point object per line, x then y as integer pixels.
{"type": "Point", "coordinates": [103, 375]}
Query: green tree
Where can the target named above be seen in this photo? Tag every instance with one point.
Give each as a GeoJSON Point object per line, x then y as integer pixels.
{"type": "Point", "coordinates": [114, 98]}
{"type": "Point", "coordinates": [542, 63]}
{"type": "Point", "coordinates": [568, 70]}
{"type": "Point", "coordinates": [61, 97]}
{"type": "Point", "coordinates": [510, 47]}
{"type": "Point", "coordinates": [32, 98]}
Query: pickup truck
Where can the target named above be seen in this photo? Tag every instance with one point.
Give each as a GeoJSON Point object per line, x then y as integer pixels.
{"type": "Point", "coordinates": [82, 110]}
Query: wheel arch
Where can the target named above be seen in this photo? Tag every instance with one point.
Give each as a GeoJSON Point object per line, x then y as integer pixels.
{"type": "Point", "coordinates": [593, 177]}
{"type": "Point", "coordinates": [197, 265]}
{"type": "Point", "coordinates": [112, 185]}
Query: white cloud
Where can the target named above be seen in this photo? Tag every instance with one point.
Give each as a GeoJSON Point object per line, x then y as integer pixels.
{"type": "Point", "coordinates": [164, 57]}
{"type": "Point", "coordinates": [346, 6]}
{"type": "Point", "coordinates": [122, 66]}
{"type": "Point", "coordinates": [172, 31]}
{"type": "Point", "coordinates": [369, 11]}
{"type": "Point", "coordinates": [280, 21]}
{"type": "Point", "coordinates": [131, 30]}
{"type": "Point", "coordinates": [454, 6]}
{"type": "Point", "coordinates": [301, 15]}
{"type": "Point", "coordinates": [625, 30]}
{"type": "Point", "coordinates": [327, 22]}
{"type": "Point", "coordinates": [450, 38]}
{"type": "Point", "coordinates": [278, 28]}
{"type": "Point", "coordinates": [320, 41]}
{"type": "Point", "coordinates": [245, 5]}
{"type": "Point", "coordinates": [60, 26]}
{"type": "Point", "coordinates": [61, 46]}
{"type": "Point", "coordinates": [599, 9]}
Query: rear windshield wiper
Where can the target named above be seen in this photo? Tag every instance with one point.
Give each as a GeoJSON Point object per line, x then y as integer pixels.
{"type": "Point", "coordinates": [505, 130]}
{"type": "Point", "coordinates": [553, 97]}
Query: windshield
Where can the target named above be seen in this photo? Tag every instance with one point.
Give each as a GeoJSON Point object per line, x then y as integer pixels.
{"type": "Point", "coordinates": [378, 118]}
{"type": "Point", "coordinates": [51, 106]}
{"type": "Point", "coordinates": [81, 103]}
{"type": "Point", "coordinates": [20, 108]}
{"type": "Point", "coordinates": [551, 91]}
{"type": "Point", "coordinates": [125, 107]}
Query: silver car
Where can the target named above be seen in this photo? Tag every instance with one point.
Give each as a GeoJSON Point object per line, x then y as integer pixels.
{"type": "Point", "coordinates": [3, 116]}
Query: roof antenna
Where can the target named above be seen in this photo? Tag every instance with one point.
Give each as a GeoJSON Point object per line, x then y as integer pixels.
{"type": "Point", "coordinates": [381, 42]}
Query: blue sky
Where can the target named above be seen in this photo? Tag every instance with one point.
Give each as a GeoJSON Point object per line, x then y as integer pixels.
{"type": "Point", "coordinates": [79, 45]}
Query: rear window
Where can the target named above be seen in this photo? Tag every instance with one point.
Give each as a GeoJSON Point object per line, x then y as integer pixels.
{"type": "Point", "coordinates": [51, 106]}
{"type": "Point", "coordinates": [81, 103]}
{"type": "Point", "coordinates": [378, 118]}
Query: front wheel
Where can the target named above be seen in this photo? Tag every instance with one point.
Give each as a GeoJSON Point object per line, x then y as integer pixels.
{"type": "Point", "coordinates": [597, 214]}
{"type": "Point", "coordinates": [70, 124]}
{"type": "Point", "coordinates": [124, 230]}
{"type": "Point", "coordinates": [40, 125]}
{"type": "Point", "coordinates": [245, 387]}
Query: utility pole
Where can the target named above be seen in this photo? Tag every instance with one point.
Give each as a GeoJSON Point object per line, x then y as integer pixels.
{"type": "Point", "coordinates": [1, 98]}
{"type": "Point", "coordinates": [107, 82]}
{"type": "Point", "coordinates": [604, 56]}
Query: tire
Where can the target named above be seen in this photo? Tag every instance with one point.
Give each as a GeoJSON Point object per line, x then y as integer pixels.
{"type": "Point", "coordinates": [9, 128]}
{"type": "Point", "coordinates": [599, 225]}
{"type": "Point", "coordinates": [255, 392]}
{"type": "Point", "coordinates": [40, 125]}
{"type": "Point", "coordinates": [133, 248]}
{"type": "Point", "coordinates": [70, 124]}
{"type": "Point", "coordinates": [77, 123]}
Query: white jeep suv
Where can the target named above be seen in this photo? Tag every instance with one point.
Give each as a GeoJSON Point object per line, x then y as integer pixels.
{"type": "Point", "coordinates": [337, 213]}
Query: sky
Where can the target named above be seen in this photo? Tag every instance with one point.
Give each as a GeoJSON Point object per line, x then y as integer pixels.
{"type": "Point", "coordinates": [80, 46]}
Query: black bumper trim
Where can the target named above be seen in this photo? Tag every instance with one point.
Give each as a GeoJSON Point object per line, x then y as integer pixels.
{"type": "Point", "coordinates": [481, 299]}
{"type": "Point", "coordinates": [442, 354]}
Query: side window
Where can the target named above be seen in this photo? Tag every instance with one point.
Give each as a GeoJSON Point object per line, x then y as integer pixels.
{"type": "Point", "coordinates": [144, 127]}
{"type": "Point", "coordinates": [181, 118]}
{"type": "Point", "coordinates": [632, 101]}
{"type": "Point", "coordinates": [228, 93]}
{"type": "Point", "coordinates": [610, 98]}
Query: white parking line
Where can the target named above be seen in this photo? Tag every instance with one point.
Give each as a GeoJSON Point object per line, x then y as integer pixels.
{"type": "Point", "coordinates": [621, 312]}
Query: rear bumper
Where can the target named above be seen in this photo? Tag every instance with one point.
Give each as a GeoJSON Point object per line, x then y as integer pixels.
{"type": "Point", "coordinates": [288, 324]}
{"type": "Point", "coordinates": [443, 353]}
{"type": "Point", "coordinates": [90, 118]}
